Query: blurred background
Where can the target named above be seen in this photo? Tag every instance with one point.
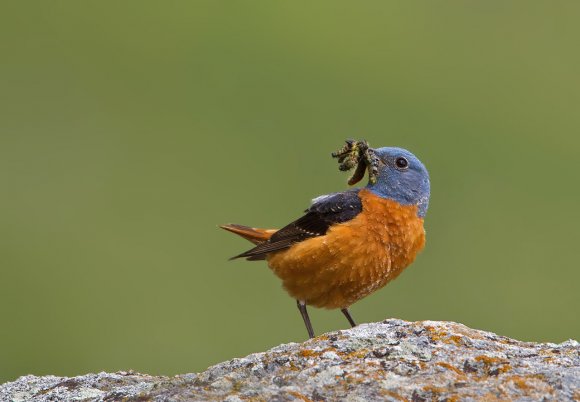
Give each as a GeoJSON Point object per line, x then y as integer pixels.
{"type": "Point", "coordinates": [130, 130]}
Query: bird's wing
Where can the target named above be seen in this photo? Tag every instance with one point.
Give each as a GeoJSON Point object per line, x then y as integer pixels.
{"type": "Point", "coordinates": [324, 212]}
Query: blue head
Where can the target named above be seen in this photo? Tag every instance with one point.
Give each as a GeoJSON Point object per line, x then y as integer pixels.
{"type": "Point", "coordinates": [403, 178]}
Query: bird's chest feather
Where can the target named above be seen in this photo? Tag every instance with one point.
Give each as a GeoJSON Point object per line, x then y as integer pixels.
{"type": "Point", "coordinates": [354, 258]}
{"type": "Point", "coordinates": [392, 227]}
{"type": "Point", "coordinates": [381, 241]}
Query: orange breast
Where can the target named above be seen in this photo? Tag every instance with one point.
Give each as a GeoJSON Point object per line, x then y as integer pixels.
{"type": "Point", "coordinates": [354, 258]}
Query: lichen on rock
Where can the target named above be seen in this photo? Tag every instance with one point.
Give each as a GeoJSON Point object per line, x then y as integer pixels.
{"type": "Point", "coordinates": [393, 360]}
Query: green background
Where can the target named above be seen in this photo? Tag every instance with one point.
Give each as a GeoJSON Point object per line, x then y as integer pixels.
{"type": "Point", "coordinates": [130, 130]}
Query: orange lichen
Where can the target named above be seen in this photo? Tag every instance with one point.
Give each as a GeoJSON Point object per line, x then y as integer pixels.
{"type": "Point", "coordinates": [293, 366]}
{"type": "Point", "coordinates": [456, 339]}
{"type": "Point", "coordinates": [254, 399]}
{"type": "Point", "coordinates": [395, 395]}
{"type": "Point", "coordinates": [492, 397]}
{"type": "Point", "coordinates": [300, 396]}
{"type": "Point", "coordinates": [309, 353]}
{"type": "Point", "coordinates": [315, 353]}
{"type": "Point", "coordinates": [468, 332]}
{"type": "Point", "coordinates": [501, 365]}
{"type": "Point", "coordinates": [488, 360]}
{"type": "Point", "coordinates": [443, 336]}
{"type": "Point", "coordinates": [438, 391]}
{"type": "Point", "coordinates": [357, 354]}
{"type": "Point", "coordinates": [452, 368]}
{"type": "Point", "coordinates": [520, 382]}
{"type": "Point", "coordinates": [433, 389]}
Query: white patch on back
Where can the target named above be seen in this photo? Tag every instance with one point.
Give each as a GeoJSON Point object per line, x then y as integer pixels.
{"type": "Point", "coordinates": [321, 198]}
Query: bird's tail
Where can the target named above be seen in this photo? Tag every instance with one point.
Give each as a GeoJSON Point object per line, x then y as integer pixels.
{"type": "Point", "coordinates": [254, 235]}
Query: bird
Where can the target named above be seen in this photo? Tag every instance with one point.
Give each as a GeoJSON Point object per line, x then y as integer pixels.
{"type": "Point", "coordinates": [349, 244]}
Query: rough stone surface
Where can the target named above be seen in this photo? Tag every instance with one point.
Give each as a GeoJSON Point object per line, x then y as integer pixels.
{"type": "Point", "coordinates": [392, 361]}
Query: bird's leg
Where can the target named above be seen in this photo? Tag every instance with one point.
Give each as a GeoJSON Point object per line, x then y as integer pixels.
{"type": "Point", "coordinates": [302, 307]}
{"type": "Point", "coordinates": [348, 317]}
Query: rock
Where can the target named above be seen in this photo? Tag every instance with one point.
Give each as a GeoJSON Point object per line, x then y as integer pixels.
{"type": "Point", "coordinates": [393, 360]}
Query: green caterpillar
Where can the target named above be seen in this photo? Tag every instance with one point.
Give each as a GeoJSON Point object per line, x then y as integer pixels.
{"type": "Point", "coordinates": [358, 155]}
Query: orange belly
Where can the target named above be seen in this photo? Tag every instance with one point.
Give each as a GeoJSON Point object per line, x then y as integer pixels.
{"type": "Point", "coordinates": [353, 259]}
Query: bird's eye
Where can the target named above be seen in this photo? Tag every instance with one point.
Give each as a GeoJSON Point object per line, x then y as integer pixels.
{"type": "Point", "coordinates": [401, 163]}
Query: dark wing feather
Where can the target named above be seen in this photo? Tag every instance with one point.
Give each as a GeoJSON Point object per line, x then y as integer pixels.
{"type": "Point", "coordinates": [324, 212]}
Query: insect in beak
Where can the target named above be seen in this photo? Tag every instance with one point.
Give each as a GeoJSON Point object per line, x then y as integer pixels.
{"type": "Point", "coordinates": [358, 155]}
